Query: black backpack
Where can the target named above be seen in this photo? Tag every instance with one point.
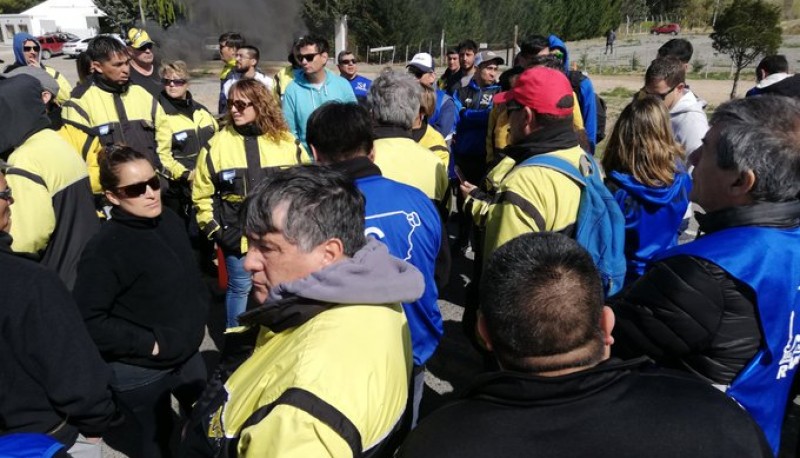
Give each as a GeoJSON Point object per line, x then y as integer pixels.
{"type": "Point", "coordinates": [575, 79]}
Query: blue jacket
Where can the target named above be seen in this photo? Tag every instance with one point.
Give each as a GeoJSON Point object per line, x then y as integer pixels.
{"type": "Point", "coordinates": [474, 104]}
{"type": "Point", "coordinates": [360, 86]}
{"type": "Point", "coordinates": [587, 98]}
{"type": "Point", "coordinates": [767, 260]}
{"type": "Point", "coordinates": [652, 217]}
{"type": "Point", "coordinates": [445, 116]}
{"type": "Point", "coordinates": [405, 220]}
{"type": "Point", "coordinates": [301, 99]}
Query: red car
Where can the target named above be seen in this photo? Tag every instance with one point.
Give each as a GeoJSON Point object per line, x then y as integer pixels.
{"type": "Point", "coordinates": [53, 43]}
{"type": "Point", "coordinates": [671, 28]}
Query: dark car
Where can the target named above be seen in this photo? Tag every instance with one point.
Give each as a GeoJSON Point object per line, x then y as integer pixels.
{"type": "Point", "coordinates": [53, 43]}
{"type": "Point", "coordinates": [671, 28]}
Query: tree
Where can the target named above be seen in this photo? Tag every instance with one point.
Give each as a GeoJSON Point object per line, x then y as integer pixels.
{"type": "Point", "coordinates": [747, 30]}
{"type": "Point", "coordinates": [124, 14]}
{"type": "Point", "coordinates": [16, 6]}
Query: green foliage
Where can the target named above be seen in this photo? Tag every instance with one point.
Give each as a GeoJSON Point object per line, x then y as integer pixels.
{"type": "Point", "coordinates": [16, 6]}
{"type": "Point", "coordinates": [747, 30]}
{"type": "Point", "coordinates": [619, 92]}
{"type": "Point", "coordinates": [125, 13]}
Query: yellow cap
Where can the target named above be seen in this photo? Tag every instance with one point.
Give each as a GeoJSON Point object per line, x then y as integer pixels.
{"type": "Point", "coordinates": [138, 38]}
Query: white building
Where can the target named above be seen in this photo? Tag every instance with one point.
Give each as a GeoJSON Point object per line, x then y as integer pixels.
{"type": "Point", "coordinates": [80, 17]}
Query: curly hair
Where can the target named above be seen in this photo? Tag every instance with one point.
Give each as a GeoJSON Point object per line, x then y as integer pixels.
{"type": "Point", "coordinates": [269, 118]}
{"type": "Point", "coordinates": [642, 143]}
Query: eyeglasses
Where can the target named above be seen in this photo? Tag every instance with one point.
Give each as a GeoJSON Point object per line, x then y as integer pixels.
{"type": "Point", "coordinates": [138, 189]}
{"type": "Point", "coordinates": [145, 48]}
{"type": "Point", "coordinates": [240, 105]}
{"type": "Point", "coordinates": [6, 195]}
{"type": "Point", "coordinates": [661, 96]}
{"type": "Point", "coordinates": [169, 82]}
{"type": "Point", "coordinates": [347, 62]}
{"type": "Point", "coordinates": [31, 48]}
{"type": "Point", "coordinates": [306, 57]}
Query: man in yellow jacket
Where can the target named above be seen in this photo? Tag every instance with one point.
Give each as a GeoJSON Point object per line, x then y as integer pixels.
{"type": "Point", "coordinates": [330, 370]}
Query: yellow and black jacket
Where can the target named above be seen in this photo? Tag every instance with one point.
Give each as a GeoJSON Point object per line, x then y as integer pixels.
{"type": "Point", "coordinates": [64, 88]}
{"type": "Point", "coordinates": [282, 80]}
{"type": "Point", "coordinates": [430, 138]}
{"type": "Point", "coordinates": [226, 171]}
{"type": "Point", "coordinates": [118, 115]}
{"type": "Point", "coordinates": [191, 127]}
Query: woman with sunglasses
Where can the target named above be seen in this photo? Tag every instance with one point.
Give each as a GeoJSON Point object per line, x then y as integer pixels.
{"type": "Point", "coordinates": [144, 303]}
{"type": "Point", "coordinates": [645, 172]}
{"type": "Point", "coordinates": [255, 142]}
{"type": "Point", "coordinates": [189, 127]}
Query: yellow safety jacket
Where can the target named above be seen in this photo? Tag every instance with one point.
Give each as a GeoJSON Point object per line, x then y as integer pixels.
{"type": "Point", "coordinates": [526, 199]}
{"type": "Point", "coordinates": [226, 69]}
{"type": "Point", "coordinates": [430, 138]}
{"type": "Point", "coordinates": [227, 170]}
{"type": "Point", "coordinates": [64, 88]}
{"type": "Point", "coordinates": [82, 140]}
{"type": "Point", "coordinates": [189, 135]}
{"type": "Point", "coordinates": [362, 380]}
{"type": "Point", "coordinates": [282, 80]}
{"type": "Point", "coordinates": [132, 117]}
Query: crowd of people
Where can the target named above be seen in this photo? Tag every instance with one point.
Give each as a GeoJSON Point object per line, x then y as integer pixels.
{"type": "Point", "coordinates": [323, 202]}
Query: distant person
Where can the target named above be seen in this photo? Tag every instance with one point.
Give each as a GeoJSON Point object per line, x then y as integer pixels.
{"type": "Point", "coordinates": [54, 381]}
{"type": "Point", "coordinates": [144, 69]}
{"type": "Point", "coordinates": [28, 52]}
{"type": "Point", "coordinates": [229, 43]}
{"type": "Point", "coordinates": [724, 307]}
{"type": "Point", "coordinates": [312, 86]}
{"type": "Point", "coordinates": [247, 58]}
{"type": "Point", "coordinates": [666, 79]}
{"type": "Point", "coordinates": [398, 215]}
{"type": "Point", "coordinates": [467, 50]}
{"type": "Point", "coordinates": [453, 66]}
{"type": "Point", "coordinates": [611, 37]}
{"type": "Point", "coordinates": [255, 143]}
{"type": "Point", "coordinates": [646, 173]}
{"type": "Point", "coordinates": [773, 77]}
{"type": "Point", "coordinates": [330, 371]}
{"type": "Point", "coordinates": [144, 303]}
{"type": "Point", "coordinates": [348, 69]}
{"type": "Point", "coordinates": [54, 214]}
{"type": "Point", "coordinates": [558, 392]}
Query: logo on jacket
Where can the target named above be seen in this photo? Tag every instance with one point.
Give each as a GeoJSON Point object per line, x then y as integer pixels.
{"type": "Point", "coordinates": [791, 353]}
{"type": "Point", "coordinates": [405, 221]}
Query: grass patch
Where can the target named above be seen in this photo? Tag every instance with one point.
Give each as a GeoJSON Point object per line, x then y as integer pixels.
{"type": "Point", "coordinates": [620, 92]}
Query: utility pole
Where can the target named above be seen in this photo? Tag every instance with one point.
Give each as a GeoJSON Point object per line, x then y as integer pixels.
{"type": "Point", "coordinates": [141, 13]}
{"type": "Point", "coordinates": [716, 9]}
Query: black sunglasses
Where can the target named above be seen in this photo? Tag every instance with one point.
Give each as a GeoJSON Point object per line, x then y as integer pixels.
{"type": "Point", "coordinates": [6, 195]}
{"type": "Point", "coordinates": [31, 48]}
{"type": "Point", "coordinates": [240, 105]}
{"type": "Point", "coordinates": [169, 82]}
{"type": "Point", "coordinates": [138, 189]}
{"type": "Point", "coordinates": [145, 47]}
{"type": "Point", "coordinates": [306, 57]}
{"type": "Point", "coordinates": [347, 62]}
{"type": "Point", "coordinates": [660, 96]}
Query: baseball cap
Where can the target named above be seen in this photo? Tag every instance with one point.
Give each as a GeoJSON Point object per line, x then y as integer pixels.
{"type": "Point", "coordinates": [543, 90]}
{"type": "Point", "coordinates": [48, 83]}
{"type": "Point", "coordinates": [485, 57]}
{"type": "Point", "coordinates": [138, 38]}
{"type": "Point", "coordinates": [422, 61]}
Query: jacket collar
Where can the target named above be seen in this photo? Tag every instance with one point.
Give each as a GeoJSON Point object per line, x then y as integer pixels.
{"type": "Point", "coordinates": [521, 389]}
{"type": "Point", "coordinates": [382, 131]}
{"type": "Point", "coordinates": [178, 106]}
{"type": "Point", "coordinates": [122, 217]}
{"type": "Point", "coordinates": [542, 141]}
{"type": "Point", "coordinates": [5, 242]}
{"type": "Point", "coordinates": [358, 167]}
{"type": "Point", "coordinates": [765, 214]}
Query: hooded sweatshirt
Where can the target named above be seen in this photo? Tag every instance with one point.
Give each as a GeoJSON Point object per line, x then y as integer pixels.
{"type": "Point", "coordinates": [339, 338]}
{"type": "Point", "coordinates": [587, 99]}
{"type": "Point", "coordinates": [64, 88]}
{"type": "Point", "coordinates": [302, 98]}
{"type": "Point", "coordinates": [779, 84]}
{"type": "Point", "coordinates": [689, 121]}
{"type": "Point", "coordinates": [653, 216]}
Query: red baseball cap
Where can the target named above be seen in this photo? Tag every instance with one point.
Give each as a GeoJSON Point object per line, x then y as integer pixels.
{"type": "Point", "coordinates": [543, 90]}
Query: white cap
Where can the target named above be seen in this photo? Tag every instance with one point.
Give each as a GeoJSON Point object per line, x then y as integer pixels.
{"type": "Point", "coordinates": [422, 61]}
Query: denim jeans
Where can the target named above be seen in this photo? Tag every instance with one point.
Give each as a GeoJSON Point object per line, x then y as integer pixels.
{"type": "Point", "coordinates": [239, 283]}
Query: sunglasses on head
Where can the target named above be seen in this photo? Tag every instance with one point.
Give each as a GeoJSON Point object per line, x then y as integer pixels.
{"type": "Point", "coordinates": [240, 105]}
{"type": "Point", "coordinates": [306, 57]}
{"type": "Point", "coordinates": [138, 189]}
{"type": "Point", "coordinates": [176, 82]}
{"type": "Point", "coordinates": [31, 48]}
{"type": "Point", "coordinates": [6, 195]}
{"type": "Point", "coordinates": [347, 62]}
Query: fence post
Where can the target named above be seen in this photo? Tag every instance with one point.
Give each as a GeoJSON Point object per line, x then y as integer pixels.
{"type": "Point", "coordinates": [367, 59]}
{"type": "Point", "coordinates": [406, 53]}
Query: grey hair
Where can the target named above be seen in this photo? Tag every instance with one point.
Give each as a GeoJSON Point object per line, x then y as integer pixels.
{"type": "Point", "coordinates": [320, 203]}
{"type": "Point", "coordinates": [394, 98]}
{"type": "Point", "coordinates": [762, 134]}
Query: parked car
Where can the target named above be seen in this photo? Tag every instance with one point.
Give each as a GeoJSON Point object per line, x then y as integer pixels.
{"type": "Point", "coordinates": [73, 48]}
{"type": "Point", "coordinates": [53, 43]}
{"type": "Point", "coordinates": [671, 28]}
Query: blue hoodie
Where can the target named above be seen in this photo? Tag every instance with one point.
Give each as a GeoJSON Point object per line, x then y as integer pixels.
{"type": "Point", "coordinates": [586, 95]}
{"type": "Point", "coordinates": [652, 217]}
{"type": "Point", "coordinates": [19, 54]}
{"type": "Point", "coordinates": [302, 98]}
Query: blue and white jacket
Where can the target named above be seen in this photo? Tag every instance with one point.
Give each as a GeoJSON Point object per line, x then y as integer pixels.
{"type": "Point", "coordinates": [474, 103]}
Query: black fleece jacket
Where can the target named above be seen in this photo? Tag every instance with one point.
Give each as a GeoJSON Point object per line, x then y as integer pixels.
{"type": "Point", "coordinates": [688, 313]}
{"type": "Point", "coordinates": [52, 378]}
{"type": "Point", "coordinates": [138, 283]}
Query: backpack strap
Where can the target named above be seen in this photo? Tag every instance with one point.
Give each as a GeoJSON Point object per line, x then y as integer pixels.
{"type": "Point", "coordinates": [557, 164]}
